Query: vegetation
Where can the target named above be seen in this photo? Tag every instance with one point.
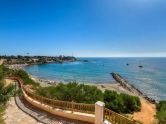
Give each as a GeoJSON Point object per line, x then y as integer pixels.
{"type": "Point", "coordinates": [25, 77]}
{"type": "Point", "coordinates": [161, 112]}
{"type": "Point", "coordinates": [72, 92]}
{"type": "Point", "coordinates": [121, 103]}
{"type": "Point", "coordinates": [2, 110]}
{"type": "Point", "coordinates": [8, 60]}
{"type": "Point", "coordinates": [5, 93]}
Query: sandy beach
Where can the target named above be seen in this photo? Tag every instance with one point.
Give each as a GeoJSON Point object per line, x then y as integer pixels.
{"type": "Point", "coordinates": [147, 113]}
{"type": "Point", "coordinates": [148, 110]}
{"type": "Point", "coordinates": [43, 82]}
{"type": "Point", "coordinates": [105, 86]}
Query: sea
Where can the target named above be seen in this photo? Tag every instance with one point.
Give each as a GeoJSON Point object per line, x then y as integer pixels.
{"type": "Point", "coordinates": [150, 79]}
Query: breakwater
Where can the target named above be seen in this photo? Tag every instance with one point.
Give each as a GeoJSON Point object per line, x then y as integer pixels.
{"type": "Point", "coordinates": [124, 83]}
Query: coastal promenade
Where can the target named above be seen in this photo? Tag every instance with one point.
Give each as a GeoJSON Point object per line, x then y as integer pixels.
{"type": "Point", "coordinates": [15, 115]}
{"type": "Point", "coordinates": [80, 113]}
{"type": "Point", "coordinates": [26, 113]}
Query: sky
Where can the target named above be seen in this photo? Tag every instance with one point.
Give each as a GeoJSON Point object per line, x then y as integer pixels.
{"type": "Point", "coordinates": [83, 28]}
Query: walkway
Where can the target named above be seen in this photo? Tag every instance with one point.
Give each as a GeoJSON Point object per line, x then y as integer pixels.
{"type": "Point", "coordinates": [19, 111]}
{"type": "Point", "coordinates": [43, 116]}
{"type": "Point", "coordinates": [1, 61]}
{"type": "Point", "coordinates": [147, 113]}
{"type": "Point", "coordinates": [14, 115]}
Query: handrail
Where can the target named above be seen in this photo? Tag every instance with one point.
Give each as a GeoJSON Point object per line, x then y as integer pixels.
{"type": "Point", "coordinates": [72, 106]}
{"type": "Point", "coordinates": [79, 107]}
{"type": "Point", "coordinates": [116, 118]}
{"type": "Point", "coordinates": [109, 115]}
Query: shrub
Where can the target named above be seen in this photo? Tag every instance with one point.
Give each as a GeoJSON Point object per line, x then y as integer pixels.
{"type": "Point", "coordinates": [2, 111]}
{"type": "Point", "coordinates": [121, 103]}
{"type": "Point", "coordinates": [6, 92]}
{"type": "Point", "coordinates": [25, 77]}
{"type": "Point", "coordinates": [80, 93]}
{"type": "Point", "coordinates": [2, 72]}
{"type": "Point", "coordinates": [161, 112]}
{"type": "Point", "coordinates": [72, 92]}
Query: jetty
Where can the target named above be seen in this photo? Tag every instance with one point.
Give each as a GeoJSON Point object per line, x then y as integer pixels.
{"type": "Point", "coordinates": [124, 83]}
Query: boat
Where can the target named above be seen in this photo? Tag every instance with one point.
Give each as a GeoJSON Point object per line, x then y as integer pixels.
{"type": "Point", "coordinates": [140, 66]}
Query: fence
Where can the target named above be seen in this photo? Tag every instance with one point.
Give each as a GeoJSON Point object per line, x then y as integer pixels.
{"type": "Point", "coordinates": [112, 117]}
{"type": "Point", "coordinates": [116, 118]}
{"type": "Point", "coordinates": [72, 106]}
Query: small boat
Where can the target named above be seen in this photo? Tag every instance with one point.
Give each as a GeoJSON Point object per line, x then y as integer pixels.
{"type": "Point", "coordinates": [127, 64]}
{"type": "Point", "coordinates": [140, 66]}
{"type": "Point", "coordinates": [85, 61]}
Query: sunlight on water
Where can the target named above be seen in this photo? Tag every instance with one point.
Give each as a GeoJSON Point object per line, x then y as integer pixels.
{"type": "Point", "coordinates": [150, 79]}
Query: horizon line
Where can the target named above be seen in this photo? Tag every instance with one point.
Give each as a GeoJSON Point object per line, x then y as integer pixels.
{"type": "Point", "coordinates": [94, 56]}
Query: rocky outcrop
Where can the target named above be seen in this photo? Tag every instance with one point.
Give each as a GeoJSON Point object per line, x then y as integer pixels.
{"type": "Point", "coordinates": [124, 83]}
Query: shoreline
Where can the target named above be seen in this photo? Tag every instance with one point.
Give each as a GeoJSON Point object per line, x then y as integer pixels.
{"type": "Point", "coordinates": [120, 85]}
{"type": "Point", "coordinates": [43, 82]}
{"type": "Point", "coordinates": [114, 86]}
{"type": "Point", "coordinates": [148, 109]}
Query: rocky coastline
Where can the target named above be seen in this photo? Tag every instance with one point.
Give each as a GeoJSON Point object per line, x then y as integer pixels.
{"type": "Point", "coordinates": [33, 60]}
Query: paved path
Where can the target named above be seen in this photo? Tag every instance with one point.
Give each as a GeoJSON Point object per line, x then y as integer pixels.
{"type": "Point", "coordinates": [43, 116]}
{"type": "Point", "coordinates": [19, 111]}
{"type": "Point", "coordinates": [14, 115]}
{"type": "Point", "coordinates": [1, 61]}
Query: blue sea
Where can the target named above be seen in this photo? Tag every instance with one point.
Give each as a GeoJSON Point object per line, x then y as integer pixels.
{"type": "Point", "coordinates": [151, 79]}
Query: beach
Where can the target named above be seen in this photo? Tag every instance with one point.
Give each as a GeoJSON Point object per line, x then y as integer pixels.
{"type": "Point", "coordinates": [149, 79]}
{"type": "Point", "coordinates": [102, 86]}
{"type": "Point", "coordinates": [148, 109]}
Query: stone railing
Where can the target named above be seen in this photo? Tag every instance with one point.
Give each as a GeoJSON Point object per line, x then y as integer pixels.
{"type": "Point", "coordinates": [116, 118]}
{"type": "Point", "coordinates": [72, 106]}
{"type": "Point", "coordinates": [93, 113]}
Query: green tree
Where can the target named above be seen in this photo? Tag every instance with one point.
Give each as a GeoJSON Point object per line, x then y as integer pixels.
{"type": "Point", "coordinates": [121, 103]}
